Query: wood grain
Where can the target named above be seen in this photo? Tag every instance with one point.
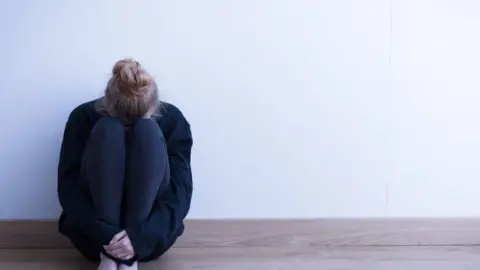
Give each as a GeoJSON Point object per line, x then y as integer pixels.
{"type": "Point", "coordinates": [278, 233]}
{"type": "Point", "coordinates": [252, 258]}
{"type": "Point", "coordinates": [259, 254]}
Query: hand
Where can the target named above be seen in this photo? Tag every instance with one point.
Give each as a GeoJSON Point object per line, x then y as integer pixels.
{"type": "Point", "coordinates": [120, 246]}
{"type": "Point", "coordinates": [150, 112]}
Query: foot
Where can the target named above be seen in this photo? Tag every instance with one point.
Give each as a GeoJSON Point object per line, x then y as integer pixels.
{"type": "Point", "coordinates": [107, 264]}
{"type": "Point", "coordinates": [126, 267]}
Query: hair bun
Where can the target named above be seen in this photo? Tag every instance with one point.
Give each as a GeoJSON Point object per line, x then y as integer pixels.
{"type": "Point", "coordinates": [130, 74]}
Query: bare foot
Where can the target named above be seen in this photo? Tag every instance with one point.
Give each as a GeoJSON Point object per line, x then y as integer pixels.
{"type": "Point", "coordinates": [107, 264]}
{"type": "Point", "coordinates": [126, 267]}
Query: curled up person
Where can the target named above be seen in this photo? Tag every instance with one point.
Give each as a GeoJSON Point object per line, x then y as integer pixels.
{"type": "Point", "coordinates": [124, 176]}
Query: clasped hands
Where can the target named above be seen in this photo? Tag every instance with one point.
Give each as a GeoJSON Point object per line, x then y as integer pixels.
{"type": "Point", "coordinates": [120, 246]}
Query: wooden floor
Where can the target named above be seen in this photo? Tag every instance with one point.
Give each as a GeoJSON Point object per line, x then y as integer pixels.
{"type": "Point", "coordinates": [359, 258]}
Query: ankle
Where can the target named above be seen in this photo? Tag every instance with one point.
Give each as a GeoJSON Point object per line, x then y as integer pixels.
{"type": "Point", "coordinates": [107, 263]}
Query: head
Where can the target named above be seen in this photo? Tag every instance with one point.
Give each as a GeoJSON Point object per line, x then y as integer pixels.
{"type": "Point", "coordinates": [131, 92]}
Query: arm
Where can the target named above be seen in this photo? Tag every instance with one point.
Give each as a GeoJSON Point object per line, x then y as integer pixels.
{"type": "Point", "coordinates": [172, 207]}
{"type": "Point", "coordinates": [74, 197]}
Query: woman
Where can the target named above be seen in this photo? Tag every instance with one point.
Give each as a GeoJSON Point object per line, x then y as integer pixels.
{"type": "Point", "coordinates": [124, 177]}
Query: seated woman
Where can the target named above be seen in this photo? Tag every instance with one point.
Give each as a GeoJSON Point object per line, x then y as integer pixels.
{"type": "Point", "coordinates": [124, 177]}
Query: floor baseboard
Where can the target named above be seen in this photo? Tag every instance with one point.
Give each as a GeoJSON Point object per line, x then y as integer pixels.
{"type": "Point", "coordinates": [295, 234]}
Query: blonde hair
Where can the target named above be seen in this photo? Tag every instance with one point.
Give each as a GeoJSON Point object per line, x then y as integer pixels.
{"type": "Point", "coordinates": [131, 92]}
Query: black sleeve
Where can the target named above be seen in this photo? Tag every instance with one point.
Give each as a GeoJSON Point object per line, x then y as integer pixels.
{"type": "Point", "coordinates": [172, 207]}
{"type": "Point", "coordinates": [74, 197]}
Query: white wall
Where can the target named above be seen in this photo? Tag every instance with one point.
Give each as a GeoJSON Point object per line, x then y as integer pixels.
{"type": "Point", "coordinates": [305, 108]}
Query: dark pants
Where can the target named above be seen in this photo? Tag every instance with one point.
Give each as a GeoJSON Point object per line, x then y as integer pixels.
{"type": "Point", "coordinates": [125, 170]}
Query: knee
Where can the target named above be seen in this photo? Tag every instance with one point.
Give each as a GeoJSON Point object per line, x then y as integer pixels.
{"type": "Point", "coordinates": [109, 125]}
{"type": "Point", "coordinates": [147, 127]}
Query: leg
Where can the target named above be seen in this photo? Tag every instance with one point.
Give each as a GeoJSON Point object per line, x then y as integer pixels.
{"type": "Point", "coordinates": [104, 168]}
{"type": "Point", "coordinates": [104, 171]}
{"type": "Point", "coordinates": [147, 170]}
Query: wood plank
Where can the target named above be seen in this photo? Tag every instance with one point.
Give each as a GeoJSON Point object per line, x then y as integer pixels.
{"type": "Point", "coordinates": [259, 254]}
{"type": "Point", "coordinates": [297, 265]}
{"type": "Point", "coordinates": [348, 258]}
{"type": "Point", "coordinates": [278, 233]}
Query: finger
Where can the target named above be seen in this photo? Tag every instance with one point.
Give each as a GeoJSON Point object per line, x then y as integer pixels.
{"type": "Point", "coordinates": [125, 256]}
{"type": "Point", "coordinates": [117, 252]}
{"type": "Point", "coordinates": [116, 245]}
{"type": "Point", "coordinates": [113, 247]}
{"type": "Point", "coordinates": [118, 236]}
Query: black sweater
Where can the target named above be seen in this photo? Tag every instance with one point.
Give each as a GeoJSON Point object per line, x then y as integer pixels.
{"type": "Point", "coordinates": [165, 223]}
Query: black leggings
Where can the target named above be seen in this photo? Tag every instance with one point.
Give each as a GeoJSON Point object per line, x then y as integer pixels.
{"type": "Point", "coordinates": [125, 169]}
